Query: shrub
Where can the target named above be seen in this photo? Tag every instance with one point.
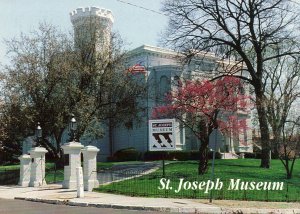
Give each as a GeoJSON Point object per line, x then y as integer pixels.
{"type": "Point", "coordinates": [257, 155]}
{"type": "Point", "coordinates": [176, 155]}
{"type": "Point", "coordinates": [153, 156]}
{"type": "Point", "coordinates": [128, 154]}
{"type": "Point", "coordinates": [194, 155]}
{"type": "Point", "coordinates": [249, 155]}
{"type": "Point", "coordinates": [217, 156]}
{"type": "Point", "coordinates": [179, 155]}
{"type": "Point", "coordinates": [275, 155]}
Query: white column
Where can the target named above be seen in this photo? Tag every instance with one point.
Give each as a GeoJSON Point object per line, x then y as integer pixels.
{"type": "Point", "coordinates": [231, 144]}
{"type": "Point", "coordinates": [25, 167]}
{"type": "Point", "coordinates": [37, 176]}
{"type": "Point", "coordinates": [73, 149]}
{"type": "Point", "coordinates": [90, 167]}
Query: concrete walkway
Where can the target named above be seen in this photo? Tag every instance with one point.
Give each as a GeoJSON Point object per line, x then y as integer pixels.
{"type": "Point", "coordinates": [54, 194]}
{"type": "Point", "coordinates": [126, 171]}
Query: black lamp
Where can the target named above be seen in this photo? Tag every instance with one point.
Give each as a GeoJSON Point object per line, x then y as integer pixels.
{"type": "Point", "coordinates": [72, 128]}
{"type": "Point", "coordinates": [38, 134]}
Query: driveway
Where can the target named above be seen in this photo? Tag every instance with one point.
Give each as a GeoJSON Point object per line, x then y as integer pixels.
{"type": "Point", "coordinates": [126, 171]}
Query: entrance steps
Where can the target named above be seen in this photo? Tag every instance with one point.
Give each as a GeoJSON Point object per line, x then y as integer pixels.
{"type": "Point", "coordinates": [229, 155]}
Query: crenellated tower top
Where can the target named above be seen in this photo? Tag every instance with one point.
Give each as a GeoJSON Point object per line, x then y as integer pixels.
{"type": "Point", "coordinates": [92, 26]}
{"type": "Point", "coordinates": [80, 13]}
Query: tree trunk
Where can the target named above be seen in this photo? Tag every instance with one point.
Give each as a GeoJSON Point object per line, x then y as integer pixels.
{"type": "Point", "coordinates": [110, 136]}
{"type": "Point", "coordinates": [287, 168]}
{"type": "Point", "coordinates": [203, 158]}
{"type": "Point", "coordinates": [275, 143]}
{"type": "Point", "coordinates": [289, 171]}
{"type": "Point", "coordinates": [264, 130]}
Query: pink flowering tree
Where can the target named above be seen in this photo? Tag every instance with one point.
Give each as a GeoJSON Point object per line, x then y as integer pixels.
{"type": "Point", "coordinates": [206, 105]}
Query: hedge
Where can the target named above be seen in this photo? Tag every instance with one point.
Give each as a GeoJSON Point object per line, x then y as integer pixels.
{"type": "Point", "coordinates": [176, 155]}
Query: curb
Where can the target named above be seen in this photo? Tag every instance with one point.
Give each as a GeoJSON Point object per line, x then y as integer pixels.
{"type": "Point", "coordinates": [198, 210]}
{"type": "Point", "coordinates": [130, 207]}
{"type": "Point", "coordinates": [259, 211]}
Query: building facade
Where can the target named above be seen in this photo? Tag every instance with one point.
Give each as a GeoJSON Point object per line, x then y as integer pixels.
{"type": "Point", "coordinates": [162, 69]}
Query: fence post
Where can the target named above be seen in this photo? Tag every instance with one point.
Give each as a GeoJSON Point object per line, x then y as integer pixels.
{"type": "Point", "coordinates": [5, 178]}
{"type": "Point", "coordinates": [287, 192]}
{"type": "Point", "coordinates": [55, 172]}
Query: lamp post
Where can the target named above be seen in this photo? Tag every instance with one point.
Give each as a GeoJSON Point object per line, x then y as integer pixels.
{"type": "Point", "coordinates": [72, 128]}
{"type": "Point", "coordinates": [38, 134]}
{"type": "Point", "coordinates": [73, 150]}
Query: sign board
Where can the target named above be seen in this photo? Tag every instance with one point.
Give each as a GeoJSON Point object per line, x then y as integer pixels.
{"type": "Point", "coordinates": [216, 140]}
{"type": "Point", "coordinates": [162, 135]}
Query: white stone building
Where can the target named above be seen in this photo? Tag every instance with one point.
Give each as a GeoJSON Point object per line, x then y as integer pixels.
{"type": "Point", "coordinates": [162, 69]}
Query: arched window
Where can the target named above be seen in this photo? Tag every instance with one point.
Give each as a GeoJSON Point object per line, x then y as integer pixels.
{"type": "Point", "coordinates": [242, 90]}
{"type": "Point", "coordinates": [177, 82]}
{"type": "Point", "coordinates": [164, 86]}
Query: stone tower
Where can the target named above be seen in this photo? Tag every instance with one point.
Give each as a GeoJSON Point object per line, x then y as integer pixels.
{"type": "Point", "coordinates": [92, 28]}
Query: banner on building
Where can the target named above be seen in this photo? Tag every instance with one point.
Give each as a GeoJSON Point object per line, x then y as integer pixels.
{"type": "Point", "coordinates": [162, 135]}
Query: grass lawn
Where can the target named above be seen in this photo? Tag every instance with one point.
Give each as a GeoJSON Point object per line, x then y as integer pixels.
{"type": "Point", "coordinates": [106, 165]}
{"type": "Point", "coordinates": [244, 169]}
{"type": "Point", "coordinates": [17, 167]}
{"type": "Point", "coordinates": [10, 174]}
{"type": "Point", "coordinates": [9, 167]}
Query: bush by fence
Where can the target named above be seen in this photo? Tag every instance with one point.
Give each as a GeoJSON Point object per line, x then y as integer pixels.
{"type": "Point", "coordinates": [9, 177]}
{"type": "Point", "coordinates": [177, 155]}
{"type": "Point", "coordinates": [128, 154]}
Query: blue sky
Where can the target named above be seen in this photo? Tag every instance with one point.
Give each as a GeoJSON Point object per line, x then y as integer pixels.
{"type": "Point", "coordinates": [136, 26]}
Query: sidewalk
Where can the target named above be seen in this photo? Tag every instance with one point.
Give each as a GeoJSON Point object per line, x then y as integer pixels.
{"type": "Point", "coordinates": [54, 194]}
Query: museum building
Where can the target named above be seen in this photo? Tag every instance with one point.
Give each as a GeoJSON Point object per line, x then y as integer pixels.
{"type": "Point", "coordinates": [160, 69]}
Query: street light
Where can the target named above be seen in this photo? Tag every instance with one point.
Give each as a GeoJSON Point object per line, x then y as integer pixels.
{"type": "Point", "coordinates": [72, 128]}
{"type": "Point", "coordinates": [38, 134]}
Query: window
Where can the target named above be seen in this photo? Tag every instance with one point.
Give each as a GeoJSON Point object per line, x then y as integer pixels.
{"type": "Point", "coordinates": [164, 86]}
{"type": "Point", "coordinates": [242, 90]}
{"type": "Point", "coordinates": [177, 82]}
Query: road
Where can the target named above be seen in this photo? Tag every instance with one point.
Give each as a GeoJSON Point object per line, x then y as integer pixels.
{"type": "Point", "coordinates": [27, 207]}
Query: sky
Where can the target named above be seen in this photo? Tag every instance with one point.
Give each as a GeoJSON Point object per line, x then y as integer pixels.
{"type": "Point", "coordinates": [135, 25]}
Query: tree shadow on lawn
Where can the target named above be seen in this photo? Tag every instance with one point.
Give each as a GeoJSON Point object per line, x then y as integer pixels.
{"type": "Point", "coordinates": [243, 168]}
{"type": "Point", "coordinates": [253, 176]}
{"type": "Point", "coordinates": [236, 165]}
{"type": "Point", "coordinates": [220, 162]}
{"type": "Point", "coordinates": [252, 163]}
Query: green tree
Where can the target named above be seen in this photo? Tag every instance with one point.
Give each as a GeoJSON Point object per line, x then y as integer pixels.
{"type": "Point", "coordinates": [49, 78]}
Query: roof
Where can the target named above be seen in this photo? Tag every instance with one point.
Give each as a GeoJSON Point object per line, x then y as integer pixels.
{"type": "Point", "coordinates": [166, 52]}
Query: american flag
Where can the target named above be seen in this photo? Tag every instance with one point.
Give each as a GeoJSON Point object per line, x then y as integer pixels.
{"type": "Point", "coordinates": [137, 69]}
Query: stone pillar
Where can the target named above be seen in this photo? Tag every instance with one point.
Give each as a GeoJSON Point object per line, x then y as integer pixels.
{"type": "Point", "coordinates": [25, 167]}
{"type": "Point", "coordinates": [37, 173]}
{"type": "Point", "coordinates": [90, 167]}
{"type": "Point", "coordinates": [73, 149]}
